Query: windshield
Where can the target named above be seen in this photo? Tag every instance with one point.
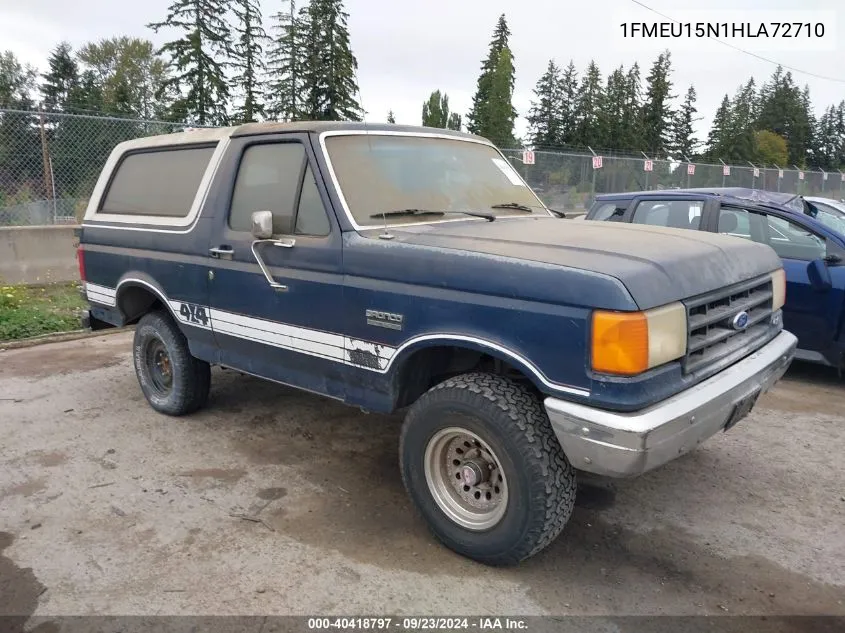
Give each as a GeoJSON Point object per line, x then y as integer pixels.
{"type": "Point", "coordinates": [388, 173]}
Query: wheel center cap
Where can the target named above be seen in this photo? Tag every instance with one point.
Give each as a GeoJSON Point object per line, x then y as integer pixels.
{"type": "Point", "coordinates": [471, 474]}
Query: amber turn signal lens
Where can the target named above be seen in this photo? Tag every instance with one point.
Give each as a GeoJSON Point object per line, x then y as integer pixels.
{"type": "Point", "coordinates": [620, 342]}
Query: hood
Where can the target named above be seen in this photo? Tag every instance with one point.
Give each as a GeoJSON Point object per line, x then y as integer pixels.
{"type": "Point", "coordinates": [657, 265]}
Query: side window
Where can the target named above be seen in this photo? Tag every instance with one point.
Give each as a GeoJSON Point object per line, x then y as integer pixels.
{"type": "Point", "coordinates": [737, 222]}
{"type": "Point", "coordinates": [160, 182]}
{"type": "Point", "coordinates": [605, 210]}
{"type": "Point", "coordinates": [791, 241]}
{"type": "Point", "coordinates": [268, 180]}
{"type": "Point", "coordinates": [679, 214]}
{"type": "Point", "coordinates": [311, 216]}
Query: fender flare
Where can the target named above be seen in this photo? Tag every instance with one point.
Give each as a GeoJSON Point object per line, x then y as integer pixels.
{"type": "Point", "coordinates": [417, 343]}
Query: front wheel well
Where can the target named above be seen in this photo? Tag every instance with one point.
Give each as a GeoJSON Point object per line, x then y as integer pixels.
{"type": "Point", "coordinates": [430, 366]}
{"type": "Point", "coordinates": [136, 301]}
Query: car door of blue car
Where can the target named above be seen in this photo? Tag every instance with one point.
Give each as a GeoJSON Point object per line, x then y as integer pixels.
{"type": "Point", "coordinates": [811, 313]}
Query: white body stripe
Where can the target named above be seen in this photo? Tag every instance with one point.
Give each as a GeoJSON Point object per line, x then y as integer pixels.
{"type": "Point", "coordinates": [100, 294]}
{"type": "Point", "coordinates": [326, 345]}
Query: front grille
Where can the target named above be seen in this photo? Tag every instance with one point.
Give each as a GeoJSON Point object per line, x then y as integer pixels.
{"type": "Point", "coordinates": [711, 335]}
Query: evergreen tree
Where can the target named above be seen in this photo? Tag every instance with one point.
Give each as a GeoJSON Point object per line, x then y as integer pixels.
{"type": "Point", "coordinates": [739, 140]}
{"type": "Point", "coordinates": [435, 111]}
{"type": "Point", "coordinates": [840, 135]}
{"type": "Point", "coordinates": [568, 92]}
{"type": "Point", "coordinates": [61, 79]}
{"type": "Point", "coordinates": [588, 108]}
{"type": "Point", "coordinates": [455, 122]}
{"type": "Point", "coordinates": [632, 134]}
{"type": "Point", "coordinates": [330, 69]}
{"type": "Point", "coordinates": [286, 65]}
{"type": "Point", "coordinates": [656, 111]}
{"type": "Point", "coordinates": [827, 143]}
{"type": "Point", "coordinates": [684, 142]}
{"type": "Point", "coordinates": [492, 107]}
{"type": "Point", "coordinates": [199, 75]}
{"type": "Point", "coordinates": [545, 119]}
{"type": "Point", "coordinates": [390, 117]}
{"type": "Point", "coordinates": [612, 114]}
{"type": "Point", "coordinates": [803, 148]}
{"type": "Point", "coordinates": [248, 59]}
{"type": "Point", "coordinates": [716, 140]}
{"type": "Point", "coordinates": [500, 112]}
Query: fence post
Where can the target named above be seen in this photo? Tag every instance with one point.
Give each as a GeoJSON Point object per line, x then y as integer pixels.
{"type": "Point", "coordinates": [779, 170]}
{"type": "Point", "coordinates": [753, 177]}
{"type": "Point", "coordinates": [798, 186]}
{"type": "Point", "coordinates": [593, 196]}
{"type": "Point", "coordinates": [723, 172]}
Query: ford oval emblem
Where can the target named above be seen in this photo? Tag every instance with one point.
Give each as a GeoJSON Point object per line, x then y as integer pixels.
{"type": "Point", "coordinates": [740, 321]}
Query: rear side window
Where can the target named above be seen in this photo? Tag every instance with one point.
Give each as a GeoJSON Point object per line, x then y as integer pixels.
{"type": "Point", "coordinates": [678, 214]}
{"type": "Point", "coordinates": [158, 183]}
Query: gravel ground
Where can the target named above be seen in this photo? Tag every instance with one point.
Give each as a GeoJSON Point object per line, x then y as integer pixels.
{"type": "Point", "coordinates": [273, 501]}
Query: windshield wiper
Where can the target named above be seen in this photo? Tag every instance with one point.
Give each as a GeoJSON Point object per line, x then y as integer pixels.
{"type": "Point", "coordinates": [513, 205]}
{"type": "Point", "coordinates": [409, 212]}
{"type": "Point", "coordinates": [524, 207]}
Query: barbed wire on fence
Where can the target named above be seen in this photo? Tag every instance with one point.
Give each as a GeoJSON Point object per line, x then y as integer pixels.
{"type": "Point", "coordinates": [570, 180]}
{"type": "Point", "coordinates": [50, 162]}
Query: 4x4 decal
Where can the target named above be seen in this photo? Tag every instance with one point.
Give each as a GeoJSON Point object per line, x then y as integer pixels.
{"type": "Point", "coordinates": [193, 313]}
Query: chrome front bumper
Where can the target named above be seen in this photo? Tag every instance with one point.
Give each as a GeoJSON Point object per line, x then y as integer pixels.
{"type": "Point", "coordinates": [627, 444]}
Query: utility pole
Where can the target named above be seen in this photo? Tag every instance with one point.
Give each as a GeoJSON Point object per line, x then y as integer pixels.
{"type": "Point", "coordinates": [45, 156]}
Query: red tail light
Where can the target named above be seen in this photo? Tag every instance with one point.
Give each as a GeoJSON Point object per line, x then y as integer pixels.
{"type": "Point", "coordinates": [80, 258]}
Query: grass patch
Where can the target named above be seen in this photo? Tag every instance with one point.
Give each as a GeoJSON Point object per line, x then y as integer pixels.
{"type": "Point", "coordinates": [34, 310]}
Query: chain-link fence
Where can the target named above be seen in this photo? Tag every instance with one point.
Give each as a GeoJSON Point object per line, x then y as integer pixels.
{"type": "Point", "coordinates": [570, 180]}
{"type": "Point", "coordinates": [50, 162]}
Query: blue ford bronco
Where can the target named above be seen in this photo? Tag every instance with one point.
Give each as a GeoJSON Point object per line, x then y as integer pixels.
{"type": "Point", "coordinates": [395, 267]}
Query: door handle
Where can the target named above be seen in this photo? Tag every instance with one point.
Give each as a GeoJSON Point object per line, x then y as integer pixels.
{"type": "Point", "coordinates": [287, 242]}
{"type": "Point", "coordinates": [222, 252]}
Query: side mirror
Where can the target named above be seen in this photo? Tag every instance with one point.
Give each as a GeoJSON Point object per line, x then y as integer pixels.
{"type": "Point", "coordinates": [819, 275]}
{"type": "Point", "coordinates": [262, 225]}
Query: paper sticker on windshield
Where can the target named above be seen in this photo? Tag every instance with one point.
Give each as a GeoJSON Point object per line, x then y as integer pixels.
{"type": "Point", "coordinates": [508, 171]}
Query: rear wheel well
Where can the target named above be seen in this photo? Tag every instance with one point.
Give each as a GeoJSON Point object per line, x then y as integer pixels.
{"type": "Point", "coordinates": [136, 301]}
{"type": "Point", "coordinates": [432, 365]}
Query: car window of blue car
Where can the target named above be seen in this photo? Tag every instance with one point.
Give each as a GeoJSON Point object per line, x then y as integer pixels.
{"type": "Point", "coordinates": [792, 241]}
{"type": "Point", "coordinates": [679, 214]}
{"type": "Point", "coordinates": [788, 239]}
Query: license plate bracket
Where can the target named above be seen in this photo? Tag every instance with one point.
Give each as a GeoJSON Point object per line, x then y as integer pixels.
{"type": "Point", "coordinates": [742, 409]}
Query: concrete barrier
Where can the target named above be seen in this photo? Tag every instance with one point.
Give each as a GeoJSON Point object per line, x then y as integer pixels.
{"type": "Point", "coordinates": [38, 254]}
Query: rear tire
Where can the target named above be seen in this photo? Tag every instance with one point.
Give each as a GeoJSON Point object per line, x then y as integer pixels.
{"type": "Point", "coordinates": [484, 468]}
{"type": "Point", "coordinates": [173, 381]}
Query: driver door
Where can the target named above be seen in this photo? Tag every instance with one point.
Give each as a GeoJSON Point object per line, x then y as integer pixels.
{"type": "Point", "coordinates": [280, 321]}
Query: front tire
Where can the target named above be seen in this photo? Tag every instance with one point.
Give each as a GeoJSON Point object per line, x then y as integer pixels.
{"type": "Point", "coordinates": [173, 381]}
{"type": "Point", "coordinates": [484, 468]}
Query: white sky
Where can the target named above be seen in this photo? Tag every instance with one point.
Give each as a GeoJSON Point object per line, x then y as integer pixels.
{"type": "Point", "coordinates": [407, 49]}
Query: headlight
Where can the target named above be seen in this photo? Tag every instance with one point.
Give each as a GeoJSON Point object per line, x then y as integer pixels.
{"type": "Point", "coordinates": [628, 343]}
{"type": "Point", "coordinates": [778, 289]}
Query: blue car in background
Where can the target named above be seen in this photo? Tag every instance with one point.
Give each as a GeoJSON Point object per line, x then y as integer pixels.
{"type": "Point", "coordinates": [808, 236]}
